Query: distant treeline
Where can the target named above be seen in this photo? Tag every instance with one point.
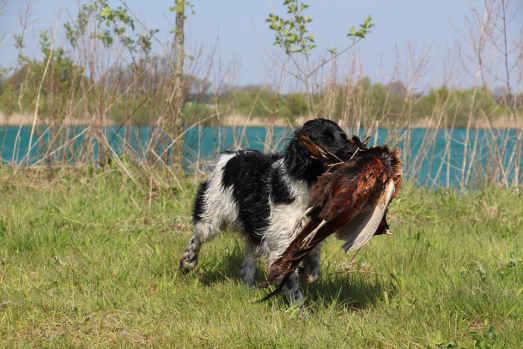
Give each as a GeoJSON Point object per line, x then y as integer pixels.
{"type": "Point", "coordinates": [136, 94]}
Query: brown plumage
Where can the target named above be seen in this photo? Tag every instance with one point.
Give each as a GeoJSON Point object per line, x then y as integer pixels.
{"type": "Point", "coordinates": [351, 199]}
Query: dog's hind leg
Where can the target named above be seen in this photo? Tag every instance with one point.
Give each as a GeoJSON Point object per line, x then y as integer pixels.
{"type": "Point", "coordinates": [248, 270]}
{"type": "Point", "coordinates": [202, 231]}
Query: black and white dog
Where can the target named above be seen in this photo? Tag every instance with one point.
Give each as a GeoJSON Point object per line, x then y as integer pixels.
{"type": "Point", "coordinates": [264, 196]}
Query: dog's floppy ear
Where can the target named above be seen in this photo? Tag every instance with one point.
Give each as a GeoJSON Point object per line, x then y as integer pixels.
{"type": "Point", "coordinates": [299, 162]}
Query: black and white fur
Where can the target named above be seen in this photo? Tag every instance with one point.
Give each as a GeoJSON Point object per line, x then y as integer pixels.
{"type": "Point", "coordinates": [264, 197]}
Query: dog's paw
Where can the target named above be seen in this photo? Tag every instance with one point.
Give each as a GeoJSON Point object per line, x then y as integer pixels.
{"type": "Point", "coordinates": [248, 279]}
{"type": "Point", "coordinates": [309, 274]}
{"type": "Point", "coordinates": [188, 263]}
{"type": "Point", "coordinates": [295, 296]}
{"type": "Point", "coordinates": [312, 276]}
{"type": "Point", "coordinates": [248, 275]}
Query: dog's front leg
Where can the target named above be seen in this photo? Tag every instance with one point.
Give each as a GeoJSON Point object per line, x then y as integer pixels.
{"type": "Point", "coordinates": [311, 265]}
{"type": "Point", "coordinates": [291, 289]}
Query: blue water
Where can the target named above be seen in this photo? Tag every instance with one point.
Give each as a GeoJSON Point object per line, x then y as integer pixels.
{"type": "Point", "coordinates": [432, 158]}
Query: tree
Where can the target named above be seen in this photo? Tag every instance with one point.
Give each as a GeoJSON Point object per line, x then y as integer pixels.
{"type": "Point", "coordinates": [99, 22]}
{"type": "Point", "coordinates": [177, 100]}
{"type": "Point", "coordinates": [292, 35]}
{"type": "Point", "coordinates": [61, 81]}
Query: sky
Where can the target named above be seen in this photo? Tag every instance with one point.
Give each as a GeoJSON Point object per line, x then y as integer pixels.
{"type": "Point", "coordinates": [237, 31]}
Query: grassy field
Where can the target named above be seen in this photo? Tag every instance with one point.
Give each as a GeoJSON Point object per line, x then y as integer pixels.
{"type": "Point", "coordinates": [91, 261]}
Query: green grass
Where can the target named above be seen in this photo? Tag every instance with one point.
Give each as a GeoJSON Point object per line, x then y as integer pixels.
{"type": "Point", "coordinates": [92, 262]}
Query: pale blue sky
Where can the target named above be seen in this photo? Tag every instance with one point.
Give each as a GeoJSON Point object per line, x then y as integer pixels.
{"type": "Point", "coordinates": [238, 29]}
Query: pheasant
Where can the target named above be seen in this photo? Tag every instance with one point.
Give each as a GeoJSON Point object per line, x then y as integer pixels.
{"type": "Point", "coordinates": [350, 199]}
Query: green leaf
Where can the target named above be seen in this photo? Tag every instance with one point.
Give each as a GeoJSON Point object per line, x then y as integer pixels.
{"type": "Point", "coordinates": [106, 12]}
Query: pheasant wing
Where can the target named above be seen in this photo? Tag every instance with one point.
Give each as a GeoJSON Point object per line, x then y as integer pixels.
{"type": "Point", "coordinates": [337, 199]}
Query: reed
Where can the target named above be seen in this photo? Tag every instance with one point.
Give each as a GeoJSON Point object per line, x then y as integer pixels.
{"type": "Point", "coordinates": [87, 101]}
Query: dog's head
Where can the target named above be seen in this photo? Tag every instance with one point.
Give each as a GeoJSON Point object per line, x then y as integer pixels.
{"type": "Point", "coordinates": [299, 161]}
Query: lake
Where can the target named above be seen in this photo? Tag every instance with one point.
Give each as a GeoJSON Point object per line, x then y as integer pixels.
{"type": "Point", "coordinates": [432, 157]}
